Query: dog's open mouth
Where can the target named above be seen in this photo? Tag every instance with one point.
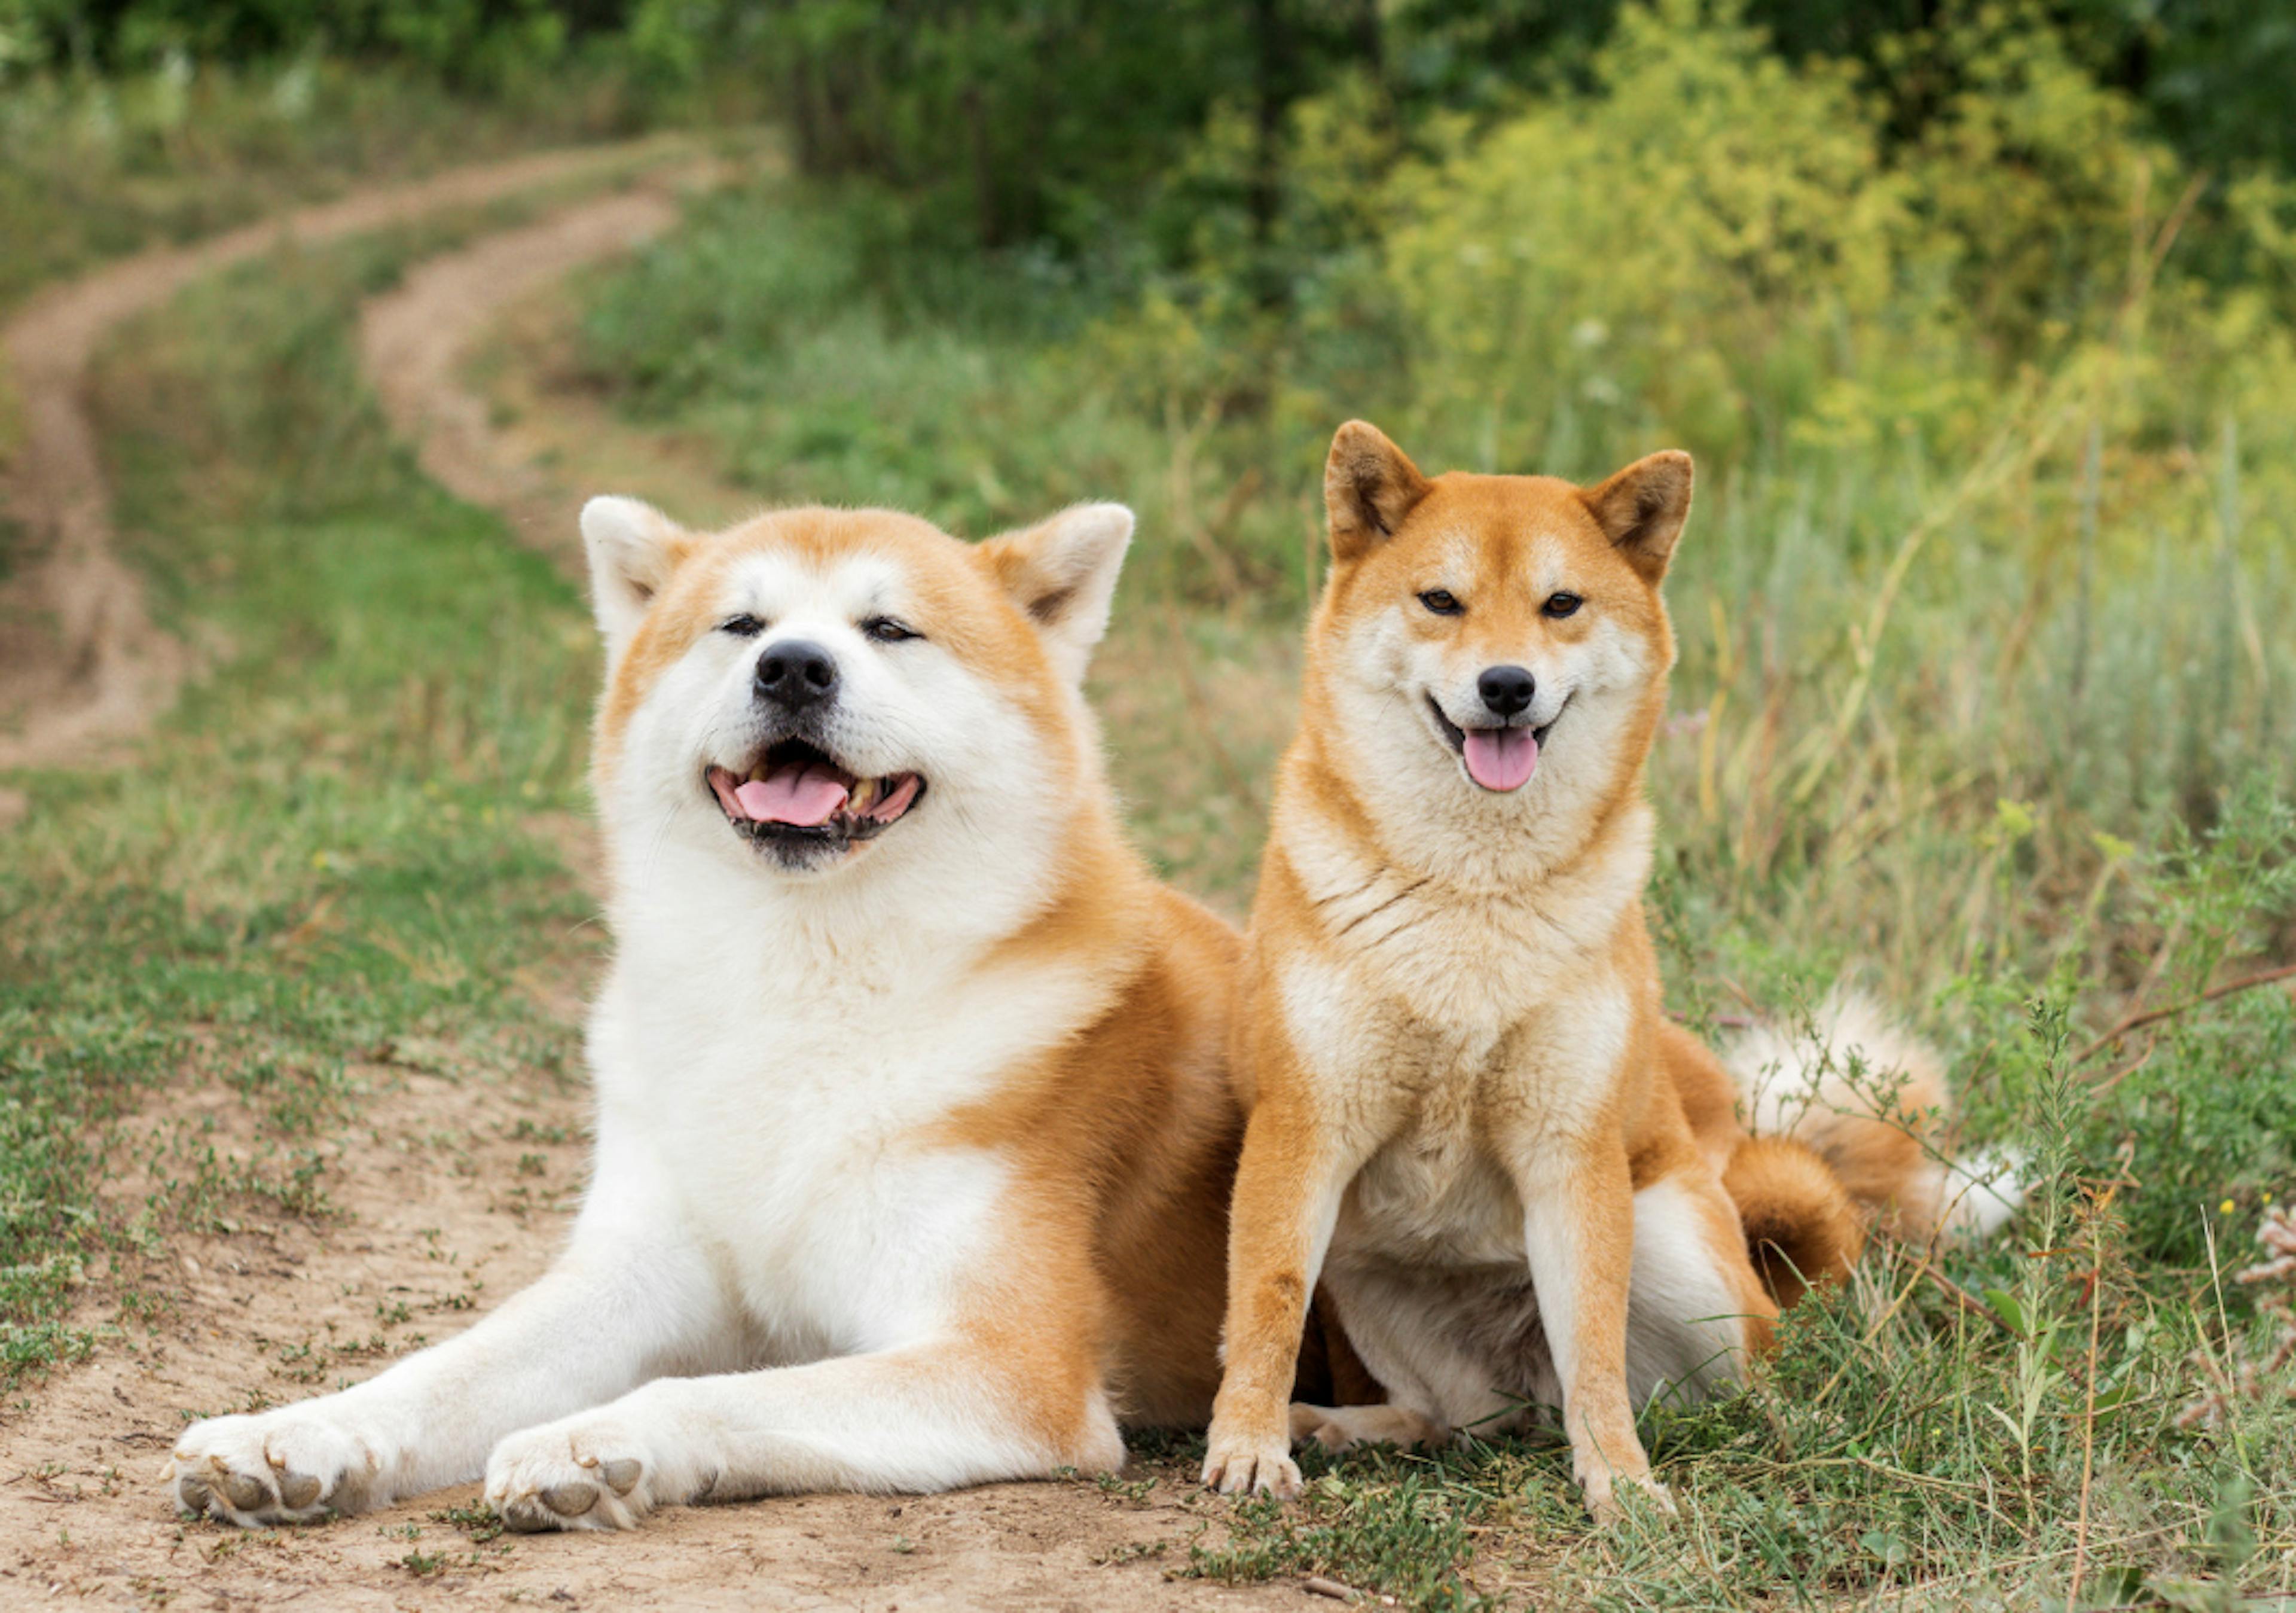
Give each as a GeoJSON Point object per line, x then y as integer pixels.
{"type": "Point", "coordinates": [797, 792]}
{"type": "Point", "coordinates": [1500, 758]}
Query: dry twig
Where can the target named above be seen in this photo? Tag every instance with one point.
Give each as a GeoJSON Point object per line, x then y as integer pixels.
{"type": "Point", "coordinates": [2138, 1022]}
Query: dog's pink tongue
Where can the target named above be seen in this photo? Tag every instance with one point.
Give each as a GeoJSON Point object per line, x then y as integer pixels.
{"type": "Point", "coordinates": [805, 796]}
{"type": "Point", "coordinates": [1501, 759]}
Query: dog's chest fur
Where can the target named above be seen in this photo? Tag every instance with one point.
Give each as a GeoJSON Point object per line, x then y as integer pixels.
{"type": "Point", "coordinates": [792, 1107]}
{"type": "Point", "coordinates": [1461, 1031]}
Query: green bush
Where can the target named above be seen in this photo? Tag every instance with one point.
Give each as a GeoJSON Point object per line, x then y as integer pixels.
{"type": "Point", "coordinates": [1685, 249]}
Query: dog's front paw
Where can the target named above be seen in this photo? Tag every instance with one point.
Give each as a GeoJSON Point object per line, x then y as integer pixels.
{"type": "Point", "coordinates": [584, 1473]}
{"type": "Point", "coordinates": [1238, 1463]}
{"type": "Point", "coordinates": [294, 1465]}
{"type": "Point", "coordinates": [1605, 1493]}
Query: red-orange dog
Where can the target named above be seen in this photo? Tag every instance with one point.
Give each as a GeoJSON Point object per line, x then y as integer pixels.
{"type": "Point", "coordinates": [1468, 1115]}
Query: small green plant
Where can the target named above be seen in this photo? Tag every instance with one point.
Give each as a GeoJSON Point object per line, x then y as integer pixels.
{"type": "Point", "coordinates": [477, 1521]}
{"type": "Point", "coordinates": [423, 1564]}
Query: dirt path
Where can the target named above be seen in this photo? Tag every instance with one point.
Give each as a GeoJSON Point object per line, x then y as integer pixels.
{"type": "Point", "coordinates": [454, 1190]}
{"type": "Point", "coordinates": [417, 338]}
{"type": "Point", "coordinates": [81, 661]}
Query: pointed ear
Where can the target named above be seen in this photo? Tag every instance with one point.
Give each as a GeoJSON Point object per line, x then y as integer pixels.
{"type": "Point", "coordinates": [1369, 486]}
{"type": "Point", "coordinates": [634, 548]}
{"type": "Point", "coordinates": [1642, 510]}
{"type": "Point", "coordinates": [1062, 573]}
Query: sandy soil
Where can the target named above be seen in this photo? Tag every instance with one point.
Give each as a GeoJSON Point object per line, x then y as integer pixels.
{"type": "Point", "coordinates": [452, 1191]}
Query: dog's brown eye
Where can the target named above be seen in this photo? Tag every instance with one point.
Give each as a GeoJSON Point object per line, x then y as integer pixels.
{"type": "Point", "coordinates": [884, 630]}
{"type": "Point", "coordinates": [1561, 604]}
{"type": "Point", "coordinates": [742, 627]}
{"type": "Point", "coordinates": [1442, 602]}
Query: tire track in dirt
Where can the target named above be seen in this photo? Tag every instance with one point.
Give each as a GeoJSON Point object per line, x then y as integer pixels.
{"type": "Point", "coordinates": [82, 662]}
{"type": "Point", "coordinates": [417, 337]}
{"type": "Point", "coordinates": [454, 1192]}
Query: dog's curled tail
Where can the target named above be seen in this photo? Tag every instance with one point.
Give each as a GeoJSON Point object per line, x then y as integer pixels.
{"type": "Point", "coordinates": [1870, 1101]}
{"type": "Point", "coordinates": [1801, 1228]}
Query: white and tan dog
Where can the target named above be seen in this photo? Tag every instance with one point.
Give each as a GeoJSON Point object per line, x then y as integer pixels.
{"type": "Point", "coordinates": [1520, 1184]}
{"type": "Point", "coordinates": [914, 1137]}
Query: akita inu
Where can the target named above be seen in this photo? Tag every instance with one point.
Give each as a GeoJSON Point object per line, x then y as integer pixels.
{"type": "Point", "coordinates": [1469, 1113]}
{"type": "Point", "coordinates": [913, 1133]}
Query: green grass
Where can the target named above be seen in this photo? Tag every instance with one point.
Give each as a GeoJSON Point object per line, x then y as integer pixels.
{"type": "Point", "coordinates": [342, 854]}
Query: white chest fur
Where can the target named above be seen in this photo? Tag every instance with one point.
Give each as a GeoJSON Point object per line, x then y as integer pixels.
{"type": "Point", "coordinates": [788, 1101]}
{"type": "Point", "coordinates": [1464, 1031]}
{"type": "Point", "coordinates": [1451, 1113]}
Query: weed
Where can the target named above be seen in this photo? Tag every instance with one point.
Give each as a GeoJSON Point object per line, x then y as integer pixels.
{"type": "Point", "coordinates": [424, 1564]}
{"type": "Point", "coordinates": [476, 1520]}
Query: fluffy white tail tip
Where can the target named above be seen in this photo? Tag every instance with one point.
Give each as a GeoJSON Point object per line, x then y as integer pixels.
{"type": "Point", "coordinates": [1981, 1190]}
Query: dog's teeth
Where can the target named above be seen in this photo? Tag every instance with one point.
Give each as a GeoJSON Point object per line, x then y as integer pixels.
{"type": "Point", "coordinates": [861, 795]}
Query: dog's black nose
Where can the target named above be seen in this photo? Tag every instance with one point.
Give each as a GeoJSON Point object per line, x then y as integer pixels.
{"type": "Point", "coordinates": [1506, 689]}
{"type": "Point", "coordinates": [794, 673]}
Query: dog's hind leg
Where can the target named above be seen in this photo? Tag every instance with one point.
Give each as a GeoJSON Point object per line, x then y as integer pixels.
{"type": "Point", "coordinates": [1343, 1428]}
{"type": "Point", "coordinates": [1695, 1308]}
{"type": "Point", "coordinates": [620, 1306]}
{"type": "Point", "coordinates": [923, 1417]}
{"type": "Point", "coordinates": [1456, 1352]}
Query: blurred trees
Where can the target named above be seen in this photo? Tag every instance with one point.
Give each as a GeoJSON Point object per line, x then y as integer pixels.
{"type": "Point", "coordinates": [469, 42]}
{"type": "Point", "coordinates": [1041, 118]}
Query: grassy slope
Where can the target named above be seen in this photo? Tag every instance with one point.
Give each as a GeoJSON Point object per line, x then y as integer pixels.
{"type": "Point", "coordinates": [1987, 858]}
{"type": "Point", "coordinates": [339, 848]}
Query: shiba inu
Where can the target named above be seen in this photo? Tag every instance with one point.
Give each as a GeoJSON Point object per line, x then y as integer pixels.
{"type": "Point", "coordinates": [1468, 1115]}
{"type": "Point", "coordinates": [913, 1133]}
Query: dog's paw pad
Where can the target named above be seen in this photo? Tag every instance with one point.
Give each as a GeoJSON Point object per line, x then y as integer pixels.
{"type": "Point", "coordinates": [246, 1491]}
{"type": "Point", "coordinates": [557, 1478]}
{"type": "Point", "coordinates": [571, 1499]}
{"type": "Point", "coordinates": [294, 1465]}
{"type": "Point", "coordinates": [530, 1516]}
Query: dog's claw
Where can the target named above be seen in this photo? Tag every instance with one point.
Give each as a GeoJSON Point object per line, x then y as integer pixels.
{"type": "Point", "coordinates": [1239, 1468]}
{"type": "Point", "coordinates": [1606, 1503]}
